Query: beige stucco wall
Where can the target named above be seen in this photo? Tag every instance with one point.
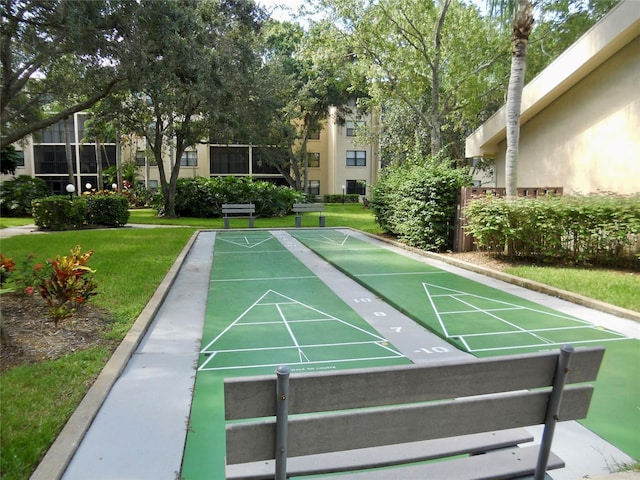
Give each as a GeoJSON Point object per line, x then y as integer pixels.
{"type": "Point", "coordinates": [339, 143]}
{"type": "Point", "coordinates": [588, 140]}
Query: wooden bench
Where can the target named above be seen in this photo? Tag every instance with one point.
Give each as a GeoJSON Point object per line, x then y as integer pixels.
{"type": "Point", "coordinates": [394, 415]}
{"type": "Point", "coordinates": [238, 210]}
{"type": "Point", "coordinates": [300, 208]}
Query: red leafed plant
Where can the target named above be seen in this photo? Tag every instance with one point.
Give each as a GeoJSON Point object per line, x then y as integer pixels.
{"type": "Point", "coordinates": [67, 284]}
{"type": "Point", "coordinates": [7, 265]}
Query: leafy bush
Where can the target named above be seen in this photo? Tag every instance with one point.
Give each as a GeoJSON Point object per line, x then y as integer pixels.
{"type": "Point", "coordinates": [107, 208]}
{"type": "Point", "coordinates": [203, 197]}
{"type": "Point", "coordinates": [59, 213]}
{"type": "Point", "coordinates": [416, 200]}
{"type": "Point", "coordinates": [599, 229]}
{"type": "Point", "coordinates": [65, 283]}
{"type": "Point", "coordinates": [339, 198]}
{"type": "Point", "coordinates": [17, 194]}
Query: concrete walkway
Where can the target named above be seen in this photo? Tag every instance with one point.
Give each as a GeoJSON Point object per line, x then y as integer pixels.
{"type": "Point", "coordinates": [133, 422]}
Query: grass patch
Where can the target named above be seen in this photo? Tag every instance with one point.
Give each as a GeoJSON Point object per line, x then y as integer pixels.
{"type": "Point", "coordinates": [616, 287]}
{"type": "Point", "coordinates": [337, 215]}
{"type": "Point", "coordinates": [6, 222]}
{"type": "Point", "coordinates": [38, 399]}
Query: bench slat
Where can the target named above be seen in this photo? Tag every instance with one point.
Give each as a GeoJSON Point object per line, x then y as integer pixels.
{"type": "Point", "coordinates": [308, 207]}
{"type": "Point", "coordinates": [383, 456]}
{"type": "Point", "coordinates": [503, 464]}
{"type": "Point", "coordinates": [252, 397]}
{"type": "Point", "coordinates": [238, 208]}
{"type": "Point", "coordinates": [313, 434]}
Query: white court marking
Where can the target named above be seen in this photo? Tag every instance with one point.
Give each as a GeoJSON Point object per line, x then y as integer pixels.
{"type": "Point", "coordinates": [278, 300]}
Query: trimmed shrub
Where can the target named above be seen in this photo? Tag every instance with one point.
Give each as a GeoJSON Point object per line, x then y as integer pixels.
{"type": "Point", "coordinates": [107, 208]}
{"type": "Point", "coordinates": [583, 229]}
{"type": "Point", "coordinates": [339, 198]}
{"type": "Point", "coordinates": [59, 213]}
{"type": "Point", "coordinates": [416, 201]}
{"type": "Point", "coordinates": [203, 197]}
{"type": "Point", "coordinates": [17, 194]}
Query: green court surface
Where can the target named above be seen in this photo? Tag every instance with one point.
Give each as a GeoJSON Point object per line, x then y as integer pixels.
{"type": "Point", "coordinates": [265, 308]}
{"type": "Point", "coordinates": [486, 321]}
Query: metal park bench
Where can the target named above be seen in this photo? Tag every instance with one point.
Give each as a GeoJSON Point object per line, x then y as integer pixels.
{"type": "Point", "coordinates": [300, 208]}
{"type": "Point", "coordinates": [238, 210]}
{"type": "Point", "coordinates": [346, 421]}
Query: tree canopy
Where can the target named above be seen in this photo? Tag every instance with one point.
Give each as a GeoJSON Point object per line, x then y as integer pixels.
{"type": "Point", "coordinates": [57, 57]}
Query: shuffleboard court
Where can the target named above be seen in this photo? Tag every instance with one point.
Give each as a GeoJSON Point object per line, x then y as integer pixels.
{"type": "Point", "coordinates": [265, 309]}
{"type": "Point", "coordinates": [486, 321]}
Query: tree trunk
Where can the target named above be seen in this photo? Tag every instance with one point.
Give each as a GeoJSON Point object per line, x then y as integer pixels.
{"type": "Point", "coordinates": [100, 184]}
{"type": "Point", "coordinates": [68, 152]}
{"type": "Point", "coordinates": [436, 116]}
{"type": "Point", "coordinates": [522, 26]}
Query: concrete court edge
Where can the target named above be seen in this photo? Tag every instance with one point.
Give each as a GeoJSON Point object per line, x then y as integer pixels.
{"type": "Point", "coordinates": [57, 458]}
{"type": "Point", "coordinates": [59, 455]}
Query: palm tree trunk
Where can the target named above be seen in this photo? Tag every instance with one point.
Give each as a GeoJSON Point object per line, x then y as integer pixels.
{"type": "Point", "coordinates": [522, 26]}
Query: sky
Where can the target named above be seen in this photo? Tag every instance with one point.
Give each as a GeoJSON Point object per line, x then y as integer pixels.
{"type": "Point", "coordinates": [281, 9]}
{"type": "Point", "coordinates": [286, 9]}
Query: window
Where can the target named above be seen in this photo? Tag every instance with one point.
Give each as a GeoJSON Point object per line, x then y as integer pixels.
{"type": "Point", "coordinates": [314, 159]}
{"type": "Point", "coordinates": [141, 158]}
{"type": "Point", "coordinates": [189, 159]}
{"type": "Point", "coordinates": [314, 134]}
{"type": "Point", "coordinates": [314, 187]}
{"type": "Point", "coordinates": [51, 159]}
{"type": "Point", "coordinates": [356, 158]}
{"type": "Point", "coordinates": [353, 126]}
{"type": "Point", "coordinates": [226, 160]}
{"type": "Point", "coordinates": [55, 133]}
{"type": "Point", "coordinates": [19, 158]}
{"type": "Point", "coordinates": [358, 187]}
{"type": "Point", "coordinates": [264, 159]}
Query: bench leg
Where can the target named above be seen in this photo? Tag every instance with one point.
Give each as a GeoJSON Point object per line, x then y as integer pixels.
{"type": "Point", "coordinates": [298, 221]}
{"type": "Point", "coordinates": [226, 222]}
{"type": "Point", "coordinates": [322, 221]}
{"type": "Point", "coordinates": [250, 222]}
{"type": "Point", "coordinates": [282, 416]}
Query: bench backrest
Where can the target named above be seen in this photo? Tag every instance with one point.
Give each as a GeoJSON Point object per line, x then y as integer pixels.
{"type": "Point", "coordinates": [236, 208]}
{"type": "Point", "coordinates": [308, 207]}
{"type": "Point", "coordinates": [411, 403]}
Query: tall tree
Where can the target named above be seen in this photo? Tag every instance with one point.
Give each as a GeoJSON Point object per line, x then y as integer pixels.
{"type": "Point", "coordinates": [182, 57]}
{"type": "Point", "coordinates": [297, 86]}
{"type": "Point", "coordinates": [522, 27]}
{"type": "Point", "coordinates": [44, 46]}
{"type": "Point", "coordinates": [431, 59]}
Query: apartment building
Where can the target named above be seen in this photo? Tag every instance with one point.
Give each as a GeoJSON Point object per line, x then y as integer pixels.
{"type": "Point", "coordinates": [336, 163]}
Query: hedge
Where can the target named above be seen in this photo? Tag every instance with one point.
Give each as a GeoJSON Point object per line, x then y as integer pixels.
{"type": "Point", "coordinates": [583, 229]}
{"type": "Point", "coordinates": [99, 209]}
{"type": "Point", "coordinates": [203, 197]}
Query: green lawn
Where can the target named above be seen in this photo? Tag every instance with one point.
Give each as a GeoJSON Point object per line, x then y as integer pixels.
{"type": "Point", "coordinates": [38, 399]}
{"type": "Point", "coordinates": [611, 286]}
{"type": "Point", "coordinates": [337, 215]}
